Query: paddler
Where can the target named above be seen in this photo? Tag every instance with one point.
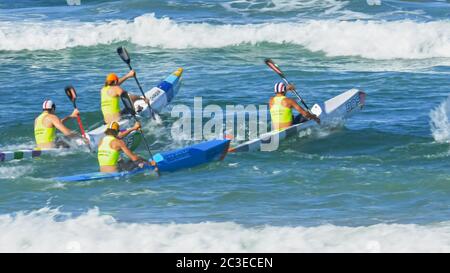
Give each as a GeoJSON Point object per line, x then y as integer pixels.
{"type": "Point", "coordinates": [281, 108]}
{"type": "Point", "coordinates": [110, 147]}
{"type": "Point", "coordinates": [110, 96]}
{"type": "Point", "coordinates": [47, 122]}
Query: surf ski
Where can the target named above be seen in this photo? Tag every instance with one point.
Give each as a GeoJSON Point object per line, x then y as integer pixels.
{"type": "Point", "coordinates": [159, 96]}
{"type": "Point", "coordinates": [331, 113]}
{"type": "Point", "coordinates": [169, 161]}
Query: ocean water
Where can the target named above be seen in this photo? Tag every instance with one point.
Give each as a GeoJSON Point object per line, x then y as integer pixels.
{"type": "Point", "coordinates": [379, 183]}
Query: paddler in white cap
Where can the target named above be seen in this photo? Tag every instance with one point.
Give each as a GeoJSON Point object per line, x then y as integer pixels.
{"type": "Point", "coordinates": [47, 122]}
{"type": "Point", "coordinates": [281, 108]}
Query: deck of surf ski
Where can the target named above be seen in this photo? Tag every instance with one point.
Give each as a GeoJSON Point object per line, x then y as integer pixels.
{"type": "Point", "coordinates": [331, 113]}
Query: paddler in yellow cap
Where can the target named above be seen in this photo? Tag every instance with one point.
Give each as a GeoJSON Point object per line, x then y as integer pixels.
{"type": "Point", "coordinates": [45, 126]}
{"type": "Point", "coordinates": [110, 96]}
{"type": "Point", "coordinates": [281, 109]}
{"type": "Point", "coordinates": [110, 147]}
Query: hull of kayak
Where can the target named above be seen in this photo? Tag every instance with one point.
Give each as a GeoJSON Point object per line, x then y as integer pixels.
{"type": "Point", "coordinates": [159, 96]}
{"type": "Point", "coordinates": [331, 113]}
{"type": "Point", "coordinates": [169, 161]}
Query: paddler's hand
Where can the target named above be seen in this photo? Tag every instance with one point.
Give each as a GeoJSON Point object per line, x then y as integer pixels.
{"type": "Point", "coordinates": [75, 113]}
{"type": "Point", "coordinates": [140, 162]}
{"type": "Point", "coordinates": [131, 74]}
{"type": "Point", "coordinates": [290, 87]}
{"type": "Point", "coordinates": [314, 117]}
{"type": "Point", "coordinates": [153, 163]}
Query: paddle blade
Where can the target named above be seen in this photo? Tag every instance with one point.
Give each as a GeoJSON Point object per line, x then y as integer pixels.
{"type": "Point", "coordinates": [123, 53]}
{"type": "Point", "coordinates": [128, 103]}
{"type": "Point", "coordinates": [71, 94]}
{"type": "Point", "coordinates": [274, 67]}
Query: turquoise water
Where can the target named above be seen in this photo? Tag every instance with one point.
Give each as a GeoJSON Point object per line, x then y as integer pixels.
{"type": "Point", "coordinates": [371, 185]}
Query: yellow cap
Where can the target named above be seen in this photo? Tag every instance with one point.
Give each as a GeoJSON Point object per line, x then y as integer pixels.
{"type": "Point", "coordinates": [114, 126]}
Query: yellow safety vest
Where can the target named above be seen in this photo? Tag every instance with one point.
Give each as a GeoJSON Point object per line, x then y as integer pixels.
{"type": "Point", "coordinates": [280, 113]}
{"type": "Point", "coordinates": [107, 156]}
{"type": "Point", "coordinates": [42, 134]}
{"type": "Point", "coordinates": [110, 104]}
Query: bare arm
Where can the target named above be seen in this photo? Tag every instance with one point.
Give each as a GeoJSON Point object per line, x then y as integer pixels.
{"type": "Point", "coordinates": [298, 108]}
{"type": "Point", "coordinates": [60, 126]}
{"type": "Point", "coordinates": [125, 133]}
{"type": "Point", "coordinates": [121, 80]}
{"type": "Point", "coordinates": [130, 74]}
{"type": "Point", "coordinates": [127, 151]}
{"type": "Point", "coordinates": [136, 126]}
{"type": "Point", "coordinates": [74, 114]}
{"type": "Point", "coordinates": [64, 119]}
{"type": "Point", "coordinates": [118, 91]}
{"type": "Point", "coordinates": [304, 113]}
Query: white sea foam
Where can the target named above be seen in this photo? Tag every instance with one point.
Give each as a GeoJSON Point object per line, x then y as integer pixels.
{"type": "Point", "coordinates": [22, 146]}
{"type": "Point", "coordinates": [261, 6]}
{"type": "Point", "coordinates": [368, 39]}
{"type": "Point", "coordinates": [13, 172]}
{"type": "Point", "coordinates": [373, 2]}
{"type": "Point", "coordinates": [38, 231]}
{"type": "Point", "coordinates": [439, 121]}
{"type": "Point", "coordinates": [303, 8]}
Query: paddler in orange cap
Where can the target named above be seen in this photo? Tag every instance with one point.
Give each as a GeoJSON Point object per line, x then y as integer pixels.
{"type": "Point", "coordinates": [110, 96]}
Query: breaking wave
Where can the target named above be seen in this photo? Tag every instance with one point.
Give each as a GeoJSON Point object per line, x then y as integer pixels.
{"type": "Point", "coordinates": [49, 230]}
{"type": "Point", "coordinates": [368, 39]}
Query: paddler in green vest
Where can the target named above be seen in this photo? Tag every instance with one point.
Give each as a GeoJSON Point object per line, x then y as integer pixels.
{"type": "Point", "coordinates": [110, 96]}
{"type": "Point", "coordinates": [47, 122]}
{"type": "Point", "coordinates": [281, 109]}
{"type": "Point", "coordinates": [110, 147]}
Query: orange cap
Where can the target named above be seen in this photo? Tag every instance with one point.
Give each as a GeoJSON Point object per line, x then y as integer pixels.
{"type": "Point", "coordinates": [111, 78]}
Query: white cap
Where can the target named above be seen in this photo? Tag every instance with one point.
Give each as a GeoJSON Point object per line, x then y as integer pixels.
{"type": "Point", "coordinates": [48, 104]}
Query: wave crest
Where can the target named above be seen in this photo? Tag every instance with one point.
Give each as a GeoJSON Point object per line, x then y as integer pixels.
{"type": "Point", "coordinates": [368, 39]}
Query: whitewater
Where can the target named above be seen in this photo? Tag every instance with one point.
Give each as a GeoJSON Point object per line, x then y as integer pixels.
{"type": "Point", "coordinates": [368, 39]}
{"type": "Point", "coordinates": [40, 231]}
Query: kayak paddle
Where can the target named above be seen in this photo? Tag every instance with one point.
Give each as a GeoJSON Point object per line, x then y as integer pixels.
{"type": "Point", "coordinates": [130, 108]}
{"type": "Point", "coordinates": [72, 95]}
{"type": "Point", "coordinates": [280, 73]}
{"type": "Point", "coordinates": [123, 53]}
